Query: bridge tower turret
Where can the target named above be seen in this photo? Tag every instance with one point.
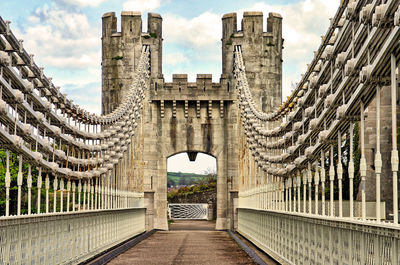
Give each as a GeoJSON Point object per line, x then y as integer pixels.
{"type": "Point", "coordinates": [262, 55]}
{"type": "Point", "coordinates": [121, 53]}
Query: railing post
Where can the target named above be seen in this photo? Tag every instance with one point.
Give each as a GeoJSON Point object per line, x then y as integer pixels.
{"type": "Point", "coordinates": [108, 190]}
{"type": "Point", "coordinates": [309, 187]}
{"type": "Point", "coordinates": [304, 191]}
{"type": "Point", "coordinates": [92, 193]}
{"type": "Point", "coordinates": [281, 193]}
{"type": "Point", "coordinates": [323, 181]}
{"type": "Point", "coordinates": [378, 156]}
{"type": "Point", "coordinates": [363, 163]}
{"type": "Point", "coordinates": [55, 186]}
{"type": "Point", "coordinates": [298, 191]}
{"type": "Point", "coordinates": [276, 205]}
{"type": "Point", "coordinates": [62, 195]}
{"type": "Point", "coordinates": [285, 195]}
{"type": "Point", "coordinates": [68, 193]}
{"type": "Point", "coordinates": [47, 186]}
{"type": "Point", "coordinates": [351, 171]}
{"type": "Point", "coordinates": [7, 180]}
{"type": "Point", "coordinates": [29, 184]}
{"type": "Point", "coordinates": [96, 194]}
{"type": "Point", "coordinates": [331, 179]}
{"type": "Point", "coordinates": [103, 190]}
{"type": "Point", "coordinates": [79, 194]}
{"type": "Point", "coordinates": [73, 195]}
{"type": "Point", "coordinates": [294, 181]}
{"type": "Point", "coordinates": [316, 183]}
{"type": "Point", "coordinates": [84, 194]}
{"type": "Point", "coordinates": [395, 154]}
{"type": "Point", "coordinates": [340, 174]}
{"type": "Point", "coordinates": [289, 187]}
{"type": "Point", "coordinates": [39, 187]}
{"type": "Point", "coordinates": [89, 192]}
{"type": "Point", "coordinates": [19, 184]}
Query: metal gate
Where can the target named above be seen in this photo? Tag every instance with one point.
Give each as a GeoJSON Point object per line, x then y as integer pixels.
{"type": "Point", "coordinates": [198, 211]}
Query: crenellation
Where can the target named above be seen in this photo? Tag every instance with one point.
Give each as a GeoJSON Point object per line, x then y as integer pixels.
{"type": "Point", "coordinates": [274, 26]}
{"type": "Point", "coordinates": [229, 25]}
{"type": "Point", "coordinates": [154, 25]}
{"type": "Point", "coordinates": [109, 24]}
{"type": "Point", "coordinates": [179, 82]}
{"type": "Point", "coordinates": [131, 24]}
{"type": "Point", "coordinates": [252, 24]}
{"type": "Point", "coordinates": [204, 81]}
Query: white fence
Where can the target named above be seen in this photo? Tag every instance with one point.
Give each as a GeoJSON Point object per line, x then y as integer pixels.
{"type": "Point", "coordinates": [302, 239]}
{"type": "Point", "coordinates": [66, 238]}
{"type": "Point", "coordinates": [188, 211]}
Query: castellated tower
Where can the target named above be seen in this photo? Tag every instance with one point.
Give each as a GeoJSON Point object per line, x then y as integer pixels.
{"type": "Point", "coordinates": [192, 117]}
{"type": "Point", "coordinates": [121, 52]}
{"type": "Point", "coordinates": [262, 55]}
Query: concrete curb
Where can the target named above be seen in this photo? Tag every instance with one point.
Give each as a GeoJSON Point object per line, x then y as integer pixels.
{"type": "Point", "coordinates": [253, 255]}
{"type": "Point", "coordinates": [112, 253]}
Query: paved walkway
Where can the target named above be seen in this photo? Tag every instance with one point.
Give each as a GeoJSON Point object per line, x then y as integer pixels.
{"type": "Point", "coordinates": [187, 242]}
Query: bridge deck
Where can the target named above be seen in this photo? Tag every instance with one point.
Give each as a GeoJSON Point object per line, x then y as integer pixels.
{"type": "Point", "coordinates": [187, 242]}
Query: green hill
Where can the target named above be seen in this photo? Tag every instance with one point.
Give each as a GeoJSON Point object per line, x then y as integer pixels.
{"type": "Point", "coordinates": [186, 179]}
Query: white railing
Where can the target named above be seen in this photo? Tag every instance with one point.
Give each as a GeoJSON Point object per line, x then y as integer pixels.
{"type": "Point", "coordinates": [265, 198]}
{"type": "Point", "coordinates": [67, 238]}
{"type": "Point", "coordinates": [300, 239]}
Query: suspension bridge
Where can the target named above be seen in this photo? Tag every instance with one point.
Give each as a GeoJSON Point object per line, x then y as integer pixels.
{"type": "Point", "coordinates": [312, 180]}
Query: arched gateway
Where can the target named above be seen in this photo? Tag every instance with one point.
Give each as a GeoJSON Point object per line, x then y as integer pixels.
{"type": "Point", "coordinates": [182, 116]}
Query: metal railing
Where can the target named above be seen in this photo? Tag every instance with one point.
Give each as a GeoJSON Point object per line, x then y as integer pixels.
{"type": "Point", "coordinates": [303, 239]}
{"type": "Point", "coordinates": [67, 238]}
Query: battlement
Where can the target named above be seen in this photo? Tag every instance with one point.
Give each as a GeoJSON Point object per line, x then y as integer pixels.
{"type": "Point", "coordinates": [261, 50]}
{"type": "Point", "coordinates": [202, 89]}
{"type": "Point", "coordinates": [251, 24]}
{"type": "Point", "coordinates": [203, 83]}
{"type": "Point", "coordinates": [131, 25]}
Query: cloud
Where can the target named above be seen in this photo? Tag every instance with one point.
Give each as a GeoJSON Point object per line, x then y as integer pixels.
{"type": "Point", "coordinates": [175, 58]}
{"type": "Point", "coordinates": [198, 40]}
{"type": "Point", "coordinates": [199, 32]}
{"type": "Point", "coordinates": [82, 3]}
{"type": "Point", "coordinates": [141, 5]}
{"type": "Point", "coordinates": [90, 99]}
{"type": "Point", "coordinates": [180, 163]}
{"type": "Point", "coordinates": [69, 47]}
{"type": "Point", "coordinates": [62, 38]}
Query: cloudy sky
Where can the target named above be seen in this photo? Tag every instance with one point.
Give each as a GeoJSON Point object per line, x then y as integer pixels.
{"type": "Point", "coordinates": [64, 36]}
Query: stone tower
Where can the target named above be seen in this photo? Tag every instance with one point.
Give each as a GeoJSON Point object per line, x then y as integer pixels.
{"type": "Point", "coordinates": [182, 116]}
{"type": "Point", "coordinates": [262, 55]}
{"type": "Point", "coordinates": [121, 52]}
